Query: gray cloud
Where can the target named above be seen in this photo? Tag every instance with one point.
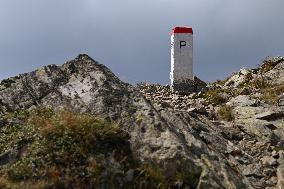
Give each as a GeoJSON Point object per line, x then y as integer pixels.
{"type": "Point", "coordinates": [132, 36]}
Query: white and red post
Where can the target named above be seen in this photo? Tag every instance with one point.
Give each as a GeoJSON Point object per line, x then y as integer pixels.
{"type": "Point", "coordinates": [181, 74]}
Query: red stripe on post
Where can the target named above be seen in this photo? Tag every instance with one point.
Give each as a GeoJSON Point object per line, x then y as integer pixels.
{"type": "Point", "coordinates": [181, 30]}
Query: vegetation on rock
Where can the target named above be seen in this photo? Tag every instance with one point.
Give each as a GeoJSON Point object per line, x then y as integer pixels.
{"type": "Point", "coordinates": [43, 148]}
{"type": "Point", "coordinates": [150, 136]}
{"type": "Point", "coordinates": [268, 64]}
{"type": "Point", "coordinates": [61, 150]}
{"type": "Point", "coordinates": [215, 96]}
{"type": "Point", "coordinates": [225, 113]}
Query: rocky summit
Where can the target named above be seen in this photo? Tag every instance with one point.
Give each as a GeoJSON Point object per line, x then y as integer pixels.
{"type": "Point", "coordinates": [79, 126]}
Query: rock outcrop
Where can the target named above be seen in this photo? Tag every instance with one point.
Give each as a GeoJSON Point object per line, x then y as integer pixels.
{"type": "Point", "coordinates": [252, 102]}
{"type": "Point", "coordinates": [179, 133]}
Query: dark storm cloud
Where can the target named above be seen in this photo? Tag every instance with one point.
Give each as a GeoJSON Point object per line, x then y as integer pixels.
{"type": "Point", "coordinates": [132, 37]}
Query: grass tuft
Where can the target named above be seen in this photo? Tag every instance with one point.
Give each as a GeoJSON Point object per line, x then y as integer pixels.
{"type": "Point", "coordinates": [225, 113]}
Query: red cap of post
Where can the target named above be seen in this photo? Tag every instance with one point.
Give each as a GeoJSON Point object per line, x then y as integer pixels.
{"type": "Point", "coordinates": [181, 30]}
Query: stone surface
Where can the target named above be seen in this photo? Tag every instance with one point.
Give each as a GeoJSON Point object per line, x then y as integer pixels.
{"type": "Point", "coordinates": [165, 126]}
{"type": "Point", "coordinates": [270, 115]}
{"type": "Point", "coordinates": [280, 172]}
{"type": "Point", "coordinates": [161, 135]}
{"type": "Point", "coordinates": [237, 78]}
{"type": "Point", "coordinates": [268, 161]}
{"type": "Point", "coordinates": [276, 75]}
{"type": "Point", "coordinates": [183, 86]}
{"type": "Point", "coordinates": [242, 100]}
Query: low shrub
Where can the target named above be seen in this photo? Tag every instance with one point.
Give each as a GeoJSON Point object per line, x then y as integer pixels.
{"type": "Point", "coordinates": [247, 80]}
{"type": "Point", "coordinates": [271, 94]}
{"type": "Point", "coordinates": [225, 113]}
{"type": "Point", "coordinates": [59, 149]}
{"type": "Point", "coordinates": [180, 175]}
{"type": "Point", "coordinates": [260, 83]}
{"type": "Point", "coordinates": [267, 65]}
{"type": "Point", "coordinates": [215, 96]}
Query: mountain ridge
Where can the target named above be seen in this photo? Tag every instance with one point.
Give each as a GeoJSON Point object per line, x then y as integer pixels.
{"type": "Point", "coordinates": [189, 139]}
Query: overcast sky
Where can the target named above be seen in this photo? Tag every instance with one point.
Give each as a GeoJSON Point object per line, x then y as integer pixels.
{"type": "Point", "coordinates": [132, 37]}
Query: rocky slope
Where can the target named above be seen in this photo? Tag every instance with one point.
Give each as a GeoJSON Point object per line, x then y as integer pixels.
{"type": "Point", "coordinates": [249, 103]}
{"type": "Point", "coordinates": [229, 135]}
